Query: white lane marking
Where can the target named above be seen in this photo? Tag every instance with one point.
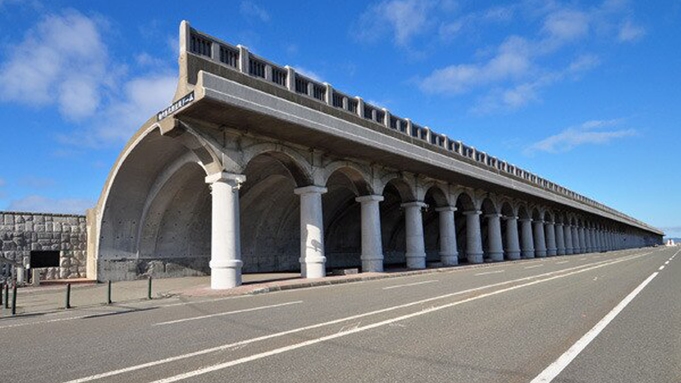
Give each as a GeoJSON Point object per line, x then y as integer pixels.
{"type": "Point", "coordinates": [341, 320]}
{"type": "Point", "coordinates": [666, 263]}
{"type": "Point", "coordinates": [410, 284]}
{"type": "Point", "coordinates": [47, 321]}
{"type": "Point", "coordinates": [227, 313]}
{"type": "Point", "coordinates": [562, 262]}
{"type": "Point", "coordinates": [354, 330]}
{"type": "Point", "coordinates": [489, 272]}
{"type": "Point", "coordinates": [533, 267]}
{"type": "Point", "coordinates": [582, 259]}
{"type": "Point", "coordinates": [564, 360]}
{"type": "Point", "coordinates": [661, 268]}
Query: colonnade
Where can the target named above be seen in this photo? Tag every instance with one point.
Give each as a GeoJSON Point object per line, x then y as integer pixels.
{"type": "Point", "coordinates": [523, 237]}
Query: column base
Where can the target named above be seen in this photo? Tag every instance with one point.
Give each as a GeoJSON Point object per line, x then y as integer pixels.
{"type": "Point", "coordinates": [373, 264]}
{"type": "Point", "coordinates": [560, 252]}
{"type": "Point", "coordinates": [568, 251]}
{"type": "Point", "coordinates": [416, 261]}
{"type": "Point", "coordinates": [540, 253]}
{"type": "Point", "coordinates": [528, 254]}
{"type": "Point", "coordinates": [474, 257]}
{"type": "Point", "coordinates": [551, 252]}
{"type": "Point", "coordinates": [495, 257]}
{"type": "Point", "coordinates": [225, 274]}
{"type": "Point", "coordinates": [512, 255]}
{"type": "Point", "coordinates": [449, 259]}
{"type": "Point", "coordinates": [313, 267]}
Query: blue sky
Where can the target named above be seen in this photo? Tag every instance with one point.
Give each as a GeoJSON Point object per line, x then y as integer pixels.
{"type": "Point", "coordinates": [586, 94]}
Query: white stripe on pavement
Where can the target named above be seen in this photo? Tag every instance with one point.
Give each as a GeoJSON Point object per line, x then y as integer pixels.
{"type": "Point", "coordinates": [535, 266]}
{"type": "Point", "coordinates": [489, 272]}
{"type": "Point", "coordinates": [227, 313]}
{"type": "Point", "coordinates": [410, 284]}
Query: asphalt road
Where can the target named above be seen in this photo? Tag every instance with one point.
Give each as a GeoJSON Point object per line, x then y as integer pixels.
{"type": "Point", "coordinates": [547, 320]}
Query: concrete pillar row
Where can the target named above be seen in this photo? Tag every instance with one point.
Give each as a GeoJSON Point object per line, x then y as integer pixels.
{"type": "Point", "coordinates": [582, 240]}
{"type": "Point", "coordinates": [539, 239]}
{"type": "Point", "coordinates": [312, 259]}
{"type": "Point", "coordinates": [416, 247]}
{"type": "Point", "coordinates": [372, 244]}
{"type": "Point", "coordinates": [495, 245]}
{"type": "Point", "coordinates": [512, 240]}
{"type": "Point", "coordinates": [551, 249]}
{"type": "Point", "coordinates": [568, 239]}
{"type": "Point", "coordinates": [527, 239]}
{"type": "Point", "coordinates": [449, 255]}
{"type": "Point", "coordinates": [474, 251]}
{"type": "Point", "coordinates": [560, 239]}
{"type": "Point", "coordinates": [576, 243]}
{"type": "Point", "coordinates": [594, 245]}
{"type": "Point", "coordinates": [588, 245]}
{"type": "Point", "coordinates": [601, 242]}
{"type": "Point", "coordinates": [225, 245]}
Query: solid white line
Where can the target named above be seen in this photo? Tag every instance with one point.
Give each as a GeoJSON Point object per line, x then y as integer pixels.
{"type": "Point", "coordinates": [410, 284]}
{"type": "Point", "coordinates": [227, 313]}
{"type": "Point", "coordinates": [535, 266]}
{"type": "Point", "coordinates": [562, 262]}
{"type": "Point", "coordinates": [221, 366]}
{"type": "Point", "coordinates": [661, 268]}
{"type": "Point", "coordinates": [341, 320]}
{"type": "Point", "coordinates": [564, 360]}
{"type": "Point", "coordinates": [489, 272]}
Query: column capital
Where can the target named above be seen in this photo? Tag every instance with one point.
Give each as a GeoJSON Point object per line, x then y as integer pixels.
{"type": "Point", "coordinates": [539, 221]}
{"type": "Point", "coordinates": [369, 198]}
{"type": "Point", "coordinates": [510, 217]}
{"type": "Point", "coordinates": [225, 177]}
{"type": "Point", "coordinates": [559, 224]}
{"type": "Point", "coordinates": [472, 212]}
{"type": "Point", "coordinates": [419, 204]}
{"type": "Point", "coordinates": [549, 222]}
{"type": "Point", "coordinates": [312, 189]}
{"type": "Point", "coordinates": [525, 220]}
{"type": "Point", "coordinates": [493, 215]}
{"type": "Point", "coordinates": [446, 208]}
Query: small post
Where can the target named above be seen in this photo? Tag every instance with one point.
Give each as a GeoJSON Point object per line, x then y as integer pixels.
{"type": "Point", "coordinates": [108, 294]}
{"type": "Point", "coordinates": [14, 299]}
{"type": "Point", "coordinates": [1, 300]}
{"type": "Point", "coordinates": [67, 304]}
{"type": "Point", "coordinates": [149, 289]}
{"type": "Point", "coordinates": [6, 295]}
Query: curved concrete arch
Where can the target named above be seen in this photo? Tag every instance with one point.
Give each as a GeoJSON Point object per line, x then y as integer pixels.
{"type": "Point", "coordinates": [296, 163]}
{"type": "Point", "coordinates": [405, 186]}
{"type": "Point", "coordinates": [359, 177]}
{"type": "Point", "coordinates": [434, 192]}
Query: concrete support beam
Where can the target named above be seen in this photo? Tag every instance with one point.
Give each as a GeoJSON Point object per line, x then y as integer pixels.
{"type": "Point", "coordinates": [312, 259]}
{"type": "Point", "coordinates": [527, 240]}
{"type": "Point", "coordinates": [372, 245]}
{"type": "Point", "coordinates": [539, 239]}
{"type": "Point", "coordinates": [560, 239]}
{"type": "Point", "coordinates": [449, 255]}
{"type": "Point", "coordinates": [512, 240]}
{"type": "Point", "coordinates": [225, 260]}
{"type": "Point", "coordinates": [474, 253]}
{"type": "Point", "coordinates": [551, 249]}
{"type": "Point", "coordinates": [416, 248]}
{"type": "Point", "coordinates": [495, 246]}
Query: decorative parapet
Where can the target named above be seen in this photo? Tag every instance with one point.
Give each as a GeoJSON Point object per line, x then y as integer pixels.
{"type": "Point", "coordinates": [240, 59]}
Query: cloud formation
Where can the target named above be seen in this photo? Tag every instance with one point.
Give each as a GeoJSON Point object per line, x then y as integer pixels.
{"type": "Point", "coordinates": [39, 204]}
{"type": "Point", "coordinates": [597, 132]}
{"type": "Point", "coordinates": [250, 9]}
{"type": "Point", "coordinates": [403, 19]}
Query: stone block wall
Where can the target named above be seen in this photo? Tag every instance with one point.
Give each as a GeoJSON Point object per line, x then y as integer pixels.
{"type": "Point", "coordinates": [21, 233]}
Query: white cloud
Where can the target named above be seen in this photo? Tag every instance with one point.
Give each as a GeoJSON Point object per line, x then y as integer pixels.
{"type": "Point", "coordinates": [308, 73]}
{"type": "Point", "coordinates": [630, 32]}
{"type": "Point", "coordinates": [62, 60]}
{"type": "Point", "coordinates": [39, 204]}
{"type": "Point", "coordinates": [250, 9]}
{"type": "Point", "coordinates": [512, 60]}
{"type": "Point", "coordinates": [588, 133]}
{"type": "Point", "coordinates": [566, 25]}
{"type": "Point", "coordinates": [404, 19]}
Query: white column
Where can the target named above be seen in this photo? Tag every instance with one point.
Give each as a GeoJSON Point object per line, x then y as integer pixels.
{"type": "Point", "coordinates": [474, 251]}
{"type": "Point", "coordinates": [512, 240]}
{"type": "Point", "coordinates": [527, 240]}
{"type": "Point", "coordinates": [539, 240]}
{"type": "Point", "coordinates": [568, 240]}
{"type": "Point", "coordinates": [495, 247]}
{"type": "Point", "coordinates": [225, 250]}
{"type": "Point", "coordinates": [416, 247]}
{"type": "Point", "coordinates": [372, 246]}
{"type": "Point", "coordinates": [560, 239]}
{"type": "Point", "coordinates": [582, 240]}
{"type": "Point", "coordinates": [449, 255]}
{"type": "Point", "coordinates": [550, 239]}
{"type": "Point", "coordinates": [576, 247]}
{"type": "Point", "coordinates": [312, 259]}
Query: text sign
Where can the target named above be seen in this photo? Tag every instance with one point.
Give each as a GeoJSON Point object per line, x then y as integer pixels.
{"type": "Point", "coordinates": [175, 106]}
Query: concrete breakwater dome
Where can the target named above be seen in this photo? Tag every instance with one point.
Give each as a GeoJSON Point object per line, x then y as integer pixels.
{"type": "Point", "coordinates": [257, 168]}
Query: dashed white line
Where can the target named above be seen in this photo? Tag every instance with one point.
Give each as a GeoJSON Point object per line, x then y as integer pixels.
{"type": "Point", "coordinates": [534, 266]}
{"type": "Point", "coordinates": [666, 263]}
{"type": "Point", "coordinates": [489, 272]}
{"type": "Point", "coordinates": [227, 313]}
{"type": "Point", "coordinates": [562, 262]}
{"type": "Point", "coordinates": [410, 284]}
{"type": "Point", "coordinates": [564, 360]}
{"type": "Point", "coordinates": [661, 268]}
